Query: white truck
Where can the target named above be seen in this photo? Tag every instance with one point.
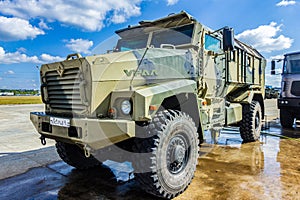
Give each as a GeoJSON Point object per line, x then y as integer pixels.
{"type": "Point", "coordinates": [289, 99]}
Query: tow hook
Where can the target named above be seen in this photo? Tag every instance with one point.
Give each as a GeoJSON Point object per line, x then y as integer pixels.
{"type": "Point", "coordinates": [43, 140]}
{"type": "Point", "coordinates": [87, 151]}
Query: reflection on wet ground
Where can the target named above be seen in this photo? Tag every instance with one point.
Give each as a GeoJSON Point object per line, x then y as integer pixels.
{"type": "Point", "coordinates": [268, 169]}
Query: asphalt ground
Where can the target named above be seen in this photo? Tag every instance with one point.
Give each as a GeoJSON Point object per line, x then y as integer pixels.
{"type": "Point", "coordinates": [267, 169]}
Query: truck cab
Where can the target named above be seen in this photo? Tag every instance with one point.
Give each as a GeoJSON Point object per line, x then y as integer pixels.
{"type": "Point", "coordinates": [289, 99]}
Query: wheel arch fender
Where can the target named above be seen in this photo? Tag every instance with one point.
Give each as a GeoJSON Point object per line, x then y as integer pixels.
{"type": "Point", "coordinates": [257, 96]}
{"type": "Point", "coordinates": [176, 95]}
{"type": "Point", "coordinates": [187, 103]}
{"type": "Point", "coordinates": [154, 95]}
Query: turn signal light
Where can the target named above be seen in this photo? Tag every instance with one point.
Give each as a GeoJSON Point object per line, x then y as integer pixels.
{"type": "Point", "coordinates": [152, 108]}
{"type": "Point", "coordinates": [112, 113]}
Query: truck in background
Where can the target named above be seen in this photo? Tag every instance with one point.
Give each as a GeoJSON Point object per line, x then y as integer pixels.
{"type": "Point", "coordinates": [289, 98]}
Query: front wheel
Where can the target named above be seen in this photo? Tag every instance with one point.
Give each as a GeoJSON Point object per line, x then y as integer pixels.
{"type": "Point", "coordinates": [169, 155]}
{"type": "Point", "coordinates": [286, 118]}
{"type": "Point", "coordinates": [252, 122]}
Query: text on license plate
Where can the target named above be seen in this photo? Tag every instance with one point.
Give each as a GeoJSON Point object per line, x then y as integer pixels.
{"type": "Point", "coordinates": [60, 122]}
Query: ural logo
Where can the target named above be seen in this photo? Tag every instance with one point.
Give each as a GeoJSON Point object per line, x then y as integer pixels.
{"type": "Point", "coordinates": [142, 72]}
{"type": "Point", "coordinates": [60, 71]}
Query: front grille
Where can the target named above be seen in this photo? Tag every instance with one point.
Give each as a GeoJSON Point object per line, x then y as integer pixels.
{"type": "Point", "coordinates": [64, 91]}
{"type": "Point", "coordinates": [295, 88]}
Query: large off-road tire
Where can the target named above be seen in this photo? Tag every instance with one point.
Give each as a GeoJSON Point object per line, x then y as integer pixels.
{"type": "Point", "coordinates": [250, 127]}
{"type": "Point", "coordinates": [168, 156]}
{"type": "Point", "coordinates": [286, 118]}
{"type": "Point", "coordinates": [74, 156]}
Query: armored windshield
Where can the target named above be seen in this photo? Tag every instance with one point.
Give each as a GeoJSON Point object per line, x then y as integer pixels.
{"type": "Point", "coordinates": [291, 64]}
{"type": "Point", "coordinates": [135, 42]}
{"type": "Point", "coordinates": [137, 38]}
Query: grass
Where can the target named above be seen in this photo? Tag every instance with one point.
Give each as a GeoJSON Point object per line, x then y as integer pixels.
{"type": "Point", "coordinates": [8, 100]}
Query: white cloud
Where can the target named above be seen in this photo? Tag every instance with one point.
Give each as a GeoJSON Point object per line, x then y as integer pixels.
{"type": "Point", "coordinates": [10, 72]}
{"type": "Point", "coordinates": [16, 57]}
{"type": "Point", "coordinates": [118, 18]}
{"type": "Point", "coordinates": [22, 50]}
{"type": "Point", "coordinates": [277, 57]}
{"type": "Point", "coordinates": [285, 3]}
{"type": "Point", "coordinates": [43, 25]}
{"type": "Point", "coordinates": [265, 39]}
{"type": "Point", "coordinates": [171, 2]}
{"type": "Point", "coordinates": [274, 80]}
{"type": "Point", "coordinates": [89, 15]}
{"type": "Point", "coordinates": [12, 29]}
{"type": "Point", "coordinates": [21, 57]}
{"type": "Point", "coordinates": [79, 45]}
{"type": "Point", "coordinates": [1, 78]}
{"type": "Point", "coordinates": [46, 58]}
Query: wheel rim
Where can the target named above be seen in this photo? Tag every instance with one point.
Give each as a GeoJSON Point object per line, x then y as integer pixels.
{"type": "Point", "coordinates": [177, 153]}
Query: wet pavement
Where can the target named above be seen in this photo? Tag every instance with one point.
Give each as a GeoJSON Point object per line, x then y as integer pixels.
{"type": "Point", "coordinates": [267, 169]}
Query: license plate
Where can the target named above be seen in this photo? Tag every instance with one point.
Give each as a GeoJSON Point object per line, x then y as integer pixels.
{"type": "Point", "coordinates": [60, 122]}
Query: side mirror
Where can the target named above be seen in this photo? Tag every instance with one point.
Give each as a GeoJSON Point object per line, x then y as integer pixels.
{"type": "Point", "coordinates": [228, 39]}
{"type": "Point", "coordinates": [273, 67]}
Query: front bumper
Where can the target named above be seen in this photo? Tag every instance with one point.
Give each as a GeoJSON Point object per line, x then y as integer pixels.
{"type": "Point", "coordinates": [291, 103]}
{"type": "Point", "coordinates": [94, 133]}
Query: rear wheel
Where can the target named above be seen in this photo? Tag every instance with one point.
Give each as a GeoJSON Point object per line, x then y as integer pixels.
{"type": "Point", "coordinates": [74, 156]}
{"type": "Point", "coordinates": [286, 118]}
{"type": "Point", "coordinates": [169, 158]}
{"type": "Point", "coordinates": [251, 123]}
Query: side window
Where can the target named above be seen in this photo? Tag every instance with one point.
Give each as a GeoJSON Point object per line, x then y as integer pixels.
{"type": "Point", "coordinates": [295, 66]}
{"type": "Point", "coordinates": [212, 43]}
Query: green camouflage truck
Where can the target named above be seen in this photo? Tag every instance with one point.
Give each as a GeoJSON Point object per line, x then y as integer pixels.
{"type": "Point", "coordinates": [150, 99]}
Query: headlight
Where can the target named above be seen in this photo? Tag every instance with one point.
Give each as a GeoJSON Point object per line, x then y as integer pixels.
{"type": "Point", "coordinates": [126, 107]}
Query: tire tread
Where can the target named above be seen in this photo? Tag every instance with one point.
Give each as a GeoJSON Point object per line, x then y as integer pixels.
{"type": "Point", "coordinates": [74, 156]}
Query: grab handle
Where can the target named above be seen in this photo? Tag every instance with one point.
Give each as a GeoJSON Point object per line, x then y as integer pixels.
{"type": "Point", "coordinates": [71, 56]}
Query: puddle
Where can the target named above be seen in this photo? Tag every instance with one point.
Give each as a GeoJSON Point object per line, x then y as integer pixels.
{"type": "Point", "coordinates": [122, 171]}
{"type": "Point", "coordinates": [267, 169]}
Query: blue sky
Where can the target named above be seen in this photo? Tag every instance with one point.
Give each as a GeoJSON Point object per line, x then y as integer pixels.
{"type": "Point", "coordinates": [33, 32]}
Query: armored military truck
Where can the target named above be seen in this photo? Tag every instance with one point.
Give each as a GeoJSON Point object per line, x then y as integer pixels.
{"type": "Point", "coordinates": [289, 98]}
{"type": "Point", "coordinates": [150, 99]}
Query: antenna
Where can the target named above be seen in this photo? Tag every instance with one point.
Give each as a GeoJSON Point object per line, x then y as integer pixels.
{"type": "Point", "coordinates": [131, 86]}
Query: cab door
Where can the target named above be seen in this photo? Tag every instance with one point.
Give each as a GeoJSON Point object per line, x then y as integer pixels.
{"type": "Point", "coordinates": [214, 65]}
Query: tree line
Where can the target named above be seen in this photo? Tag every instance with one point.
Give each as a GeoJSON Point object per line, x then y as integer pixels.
{"type": "Point", "coordinates": [20, 91]}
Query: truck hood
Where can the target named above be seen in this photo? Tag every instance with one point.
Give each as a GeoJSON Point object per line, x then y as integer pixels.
{"type": "Point", "coordinates": [145, 65]}
{"type": "Point", "coordinates": [120, 71]}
